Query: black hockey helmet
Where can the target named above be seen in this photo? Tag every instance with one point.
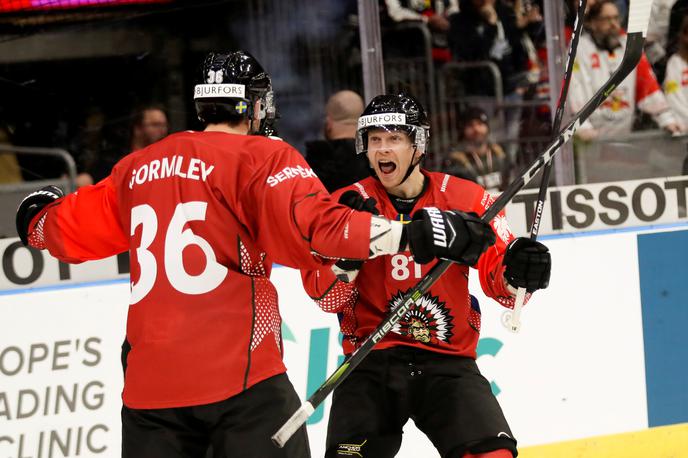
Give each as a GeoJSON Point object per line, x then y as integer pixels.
{"type": "Point", "coordinates": [394, 112]}
{"type": "Point", "coordinates": [229, 86]}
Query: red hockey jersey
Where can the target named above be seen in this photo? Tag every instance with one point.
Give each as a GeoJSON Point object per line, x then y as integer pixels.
{"type": "Point", "coordinates": [446, 319]}
{"type": "Point", "coordinates": [204, 215]}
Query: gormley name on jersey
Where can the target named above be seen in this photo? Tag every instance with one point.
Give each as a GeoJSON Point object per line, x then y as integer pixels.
{"type": "Point", "coordinates": [169, 167]}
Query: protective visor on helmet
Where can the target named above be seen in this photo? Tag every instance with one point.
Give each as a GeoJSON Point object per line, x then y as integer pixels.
{"type": "Point", "coordinates": [389, 122]}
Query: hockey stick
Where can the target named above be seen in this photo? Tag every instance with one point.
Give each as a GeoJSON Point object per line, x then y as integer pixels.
{"type": "Point", "coordinates": [512, 320]}
{"type": "Point", "coordinates": [639, 13]}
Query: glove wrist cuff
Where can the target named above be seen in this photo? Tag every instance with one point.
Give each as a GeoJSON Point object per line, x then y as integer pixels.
{"type": "Point", "coordinates": [385, 237]}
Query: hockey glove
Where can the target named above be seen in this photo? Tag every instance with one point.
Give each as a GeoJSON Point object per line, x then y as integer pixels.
{"type": "Point", "coordinates": [31, 206]}
{"type": "Point", "coordinates": [528, 264]}
{"type": "Point", "coordinates": [451, 235]}
{"type": "Point", "coordinates": [346, 270]}
{"type": "Point", "coordinates": [354, 200]}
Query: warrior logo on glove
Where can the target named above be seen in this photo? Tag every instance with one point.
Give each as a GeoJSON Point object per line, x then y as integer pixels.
{"type": "Point", "coordinates": [438, 230]}
{"type": "Point", "coordinates": [457, 236]}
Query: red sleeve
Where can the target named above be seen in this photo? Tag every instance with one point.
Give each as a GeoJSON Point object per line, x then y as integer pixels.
{"type": "Point", "coordinates": [646, 82]}
{"type": "Point", "coordinates": [82, 226]}
{"type": "Point", "coordinates": [294, 218]}
{"type": "Point", "coordinates": [490, 265]}
{"type": "Point", "coordinates": [331, 294]}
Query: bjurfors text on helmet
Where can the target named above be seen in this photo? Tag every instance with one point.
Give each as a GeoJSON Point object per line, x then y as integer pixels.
{"type": "Point", "coordinates": [381, 119]}
{"type": "Point", "coordinates": [232, 91]}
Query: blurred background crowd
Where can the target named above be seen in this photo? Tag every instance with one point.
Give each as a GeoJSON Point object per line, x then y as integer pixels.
{"type": "Point", "coordinates": [83, 83]}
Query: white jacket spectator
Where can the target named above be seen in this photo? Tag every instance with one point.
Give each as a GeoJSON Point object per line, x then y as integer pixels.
{"type": "Point", "coordinates": [592, 69]}
{"type": "Point", "coordinates": [676, 87]}
{"type": "Point", "coordinates": [676, 79]}
{"type": "Point", "coordinates": [411, 10]}
{"type": "Point", "coordinates": [600, 52]}
{"type": "Point", "coordinates": [657, 30]}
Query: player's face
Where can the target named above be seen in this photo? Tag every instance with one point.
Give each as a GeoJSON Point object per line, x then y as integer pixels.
{"type": "Point", "coordinates": [390, 153]}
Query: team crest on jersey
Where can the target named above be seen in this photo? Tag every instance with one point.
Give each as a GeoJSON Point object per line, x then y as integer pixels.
{"type": "Point", "coordinates": [427, 321]}
{"type": "Point", "coordinates": [403, 218]}
{"type": "Point", "coordinates": [502, 228]}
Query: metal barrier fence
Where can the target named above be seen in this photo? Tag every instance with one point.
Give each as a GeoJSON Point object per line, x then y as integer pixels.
{"type": "Point", "coordinates": [638, 155]}
{"type": "Point", "coordinates": [407, 54]}
{"type": "Point", "coordinates": [12, 194]}
{"type": "Point", "coordinates": [453, 98]}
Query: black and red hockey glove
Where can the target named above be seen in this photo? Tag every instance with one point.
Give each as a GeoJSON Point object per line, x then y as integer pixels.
{"type": "Point", "coordinates": [31, 206]}
{"type": "Point", "coordinates": [346, 270]}
{"type": "Point", "coordinates": [528, 264]}
{"type": "Point", "coordinates": [450, 234]}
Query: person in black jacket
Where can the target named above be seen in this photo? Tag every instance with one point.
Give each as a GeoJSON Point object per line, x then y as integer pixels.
{"type": "Point", "coordinates": [487, 30]}
{"type": "Point", "coordinates": [334, 159]}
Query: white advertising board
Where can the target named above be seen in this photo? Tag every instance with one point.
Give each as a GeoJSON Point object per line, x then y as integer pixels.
{"type": "Point", "coordinates": [603, 206]}
{"type": "Point", "coordinates": [575, 370]}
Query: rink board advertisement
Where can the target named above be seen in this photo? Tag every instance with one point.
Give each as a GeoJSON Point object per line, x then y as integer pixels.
{"type": "Point", "coordinates": [602, 206]}
{"type": "Point", "coordinates": [601, 351]}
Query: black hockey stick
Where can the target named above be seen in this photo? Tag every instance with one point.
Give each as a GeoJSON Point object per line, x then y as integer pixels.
{"type": "Point", "coordinates": [513, 318]}
{"type": "Point", "coordinates": [639, 14]}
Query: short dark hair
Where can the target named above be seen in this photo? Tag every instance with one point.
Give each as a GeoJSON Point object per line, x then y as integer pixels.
{"type": "Point", "coordinates": [211, 116]}
{"type": "Point", "coordinates": [595, 10]}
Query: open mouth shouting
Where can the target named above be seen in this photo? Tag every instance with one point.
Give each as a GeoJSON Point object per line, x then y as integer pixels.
{"type": "Point", "coordinates": [386, 167]}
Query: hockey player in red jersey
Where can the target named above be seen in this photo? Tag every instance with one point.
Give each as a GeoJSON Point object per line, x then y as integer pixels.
{"type": "Point", "coordinates": [425, 367]}
{"type": "Point", "coordinates": [204, 215]}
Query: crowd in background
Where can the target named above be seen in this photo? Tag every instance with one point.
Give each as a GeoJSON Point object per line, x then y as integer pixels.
{"type": "Point", "coordinates": [508, 33]}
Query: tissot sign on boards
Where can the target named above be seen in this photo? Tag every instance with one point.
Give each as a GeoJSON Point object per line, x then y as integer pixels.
{"type": "Point", "coordinates": [603, 206]}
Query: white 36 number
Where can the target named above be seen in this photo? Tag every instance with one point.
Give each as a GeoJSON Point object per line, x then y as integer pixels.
{"type": "Point", "coordinates": [176, 239]}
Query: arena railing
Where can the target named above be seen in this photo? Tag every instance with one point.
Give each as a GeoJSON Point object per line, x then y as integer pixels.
{"type": "Point", "coordinates": [637, 155]}
{"type": "Point", "coordinates": [453, 97]}
{"type": "Point", "coordinates": [11, 194]}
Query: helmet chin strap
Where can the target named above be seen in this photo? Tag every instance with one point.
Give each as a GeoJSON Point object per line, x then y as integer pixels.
{"type": "Point", "coordinates": [412, 166]}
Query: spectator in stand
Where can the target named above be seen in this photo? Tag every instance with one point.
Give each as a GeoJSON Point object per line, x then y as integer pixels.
{"type": "Point", "coordinates": [676, 81]}
{"type": "Point", "coordinates": [678, 10]}
{"type": "Point", "coordinates": [600, 51]}
{"type": "Point", "coordinates": [656, 40]}
{"type": "Point", "coordinates": [475, 158]}
{"type": "Point", "coordinates": [488, 30]}
{"type": "Point", "coordinates": [434, 13]}
{"type": "Point", "coordinates": [9, 167]}
{"type": "Point", "coordinates": [334, 159]}
{"type": "Point", "coordinates": [149, 124]}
